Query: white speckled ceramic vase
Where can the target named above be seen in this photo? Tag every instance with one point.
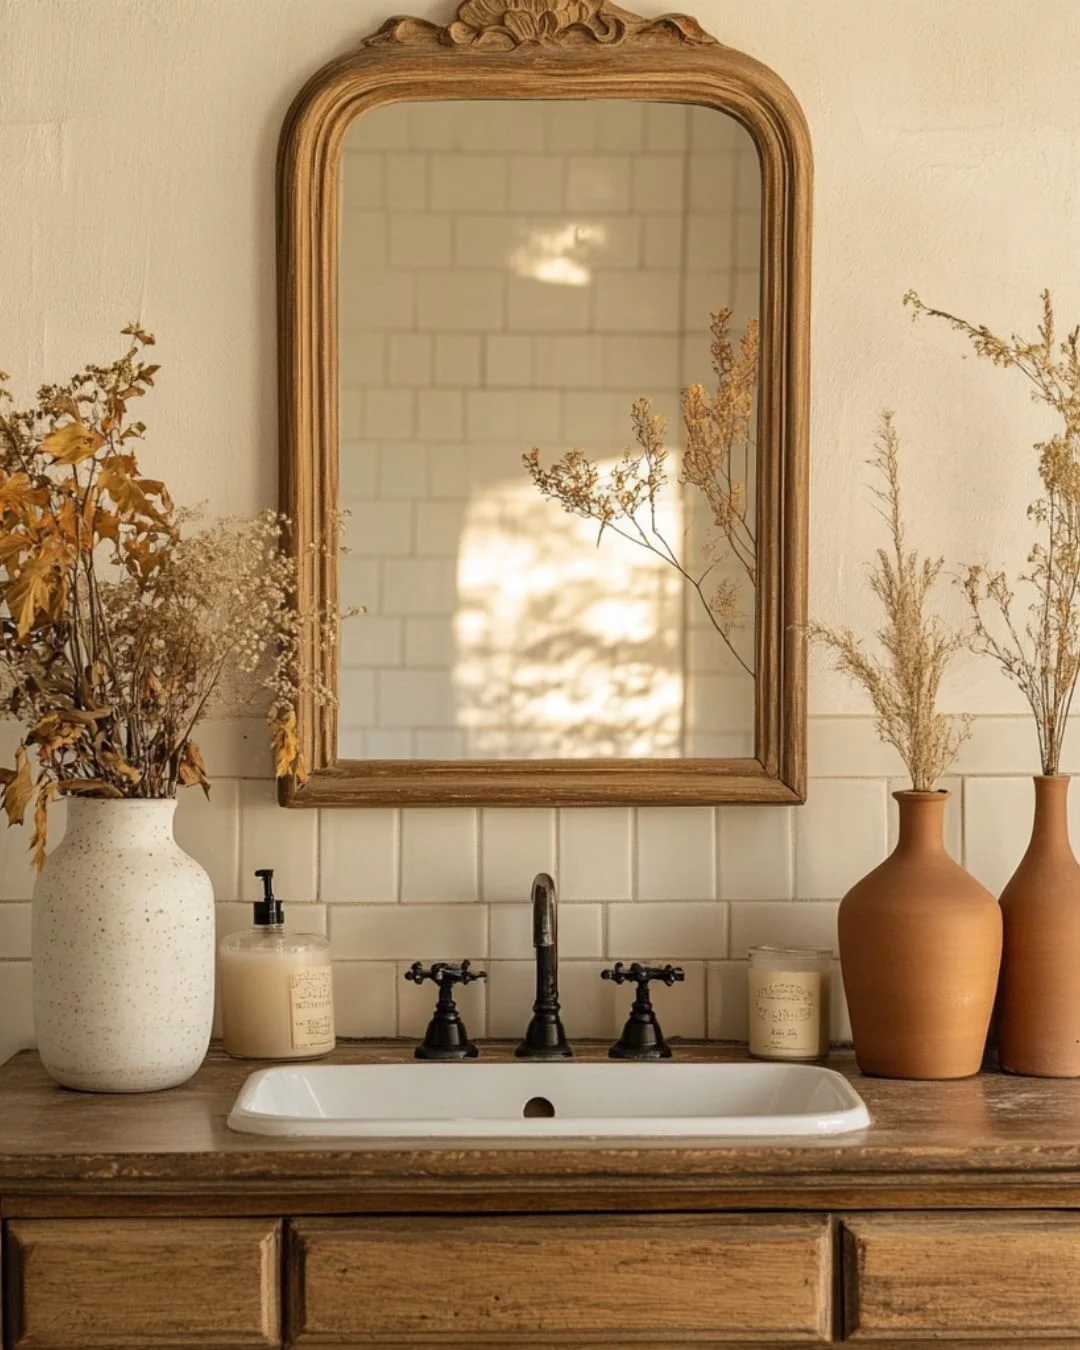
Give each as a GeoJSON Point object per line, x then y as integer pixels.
{"type": "Point", "coordinates": [123, 948]}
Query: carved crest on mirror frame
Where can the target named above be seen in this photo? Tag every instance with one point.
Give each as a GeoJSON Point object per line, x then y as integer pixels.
{"type": "Point", "coordinates": [502, 25]}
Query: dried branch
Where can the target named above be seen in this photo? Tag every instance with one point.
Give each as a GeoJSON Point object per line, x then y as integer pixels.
{"type": "Point", "coordinates": [719, 436]}
{"type": "Point", "coordinates": [1039, 653]}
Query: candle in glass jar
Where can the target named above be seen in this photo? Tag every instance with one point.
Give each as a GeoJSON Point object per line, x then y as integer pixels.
{"type": "Point", "coordinates": [789, 1002]}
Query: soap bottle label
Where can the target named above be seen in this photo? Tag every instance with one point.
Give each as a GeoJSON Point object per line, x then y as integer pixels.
{"type": "Point", "coordinates": [311, 997]}
{"type": "Point", "coordinates": [788, 1014]}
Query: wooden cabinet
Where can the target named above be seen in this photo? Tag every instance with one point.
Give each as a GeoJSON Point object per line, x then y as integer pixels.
{"type": "Point", "coordinates": [646, 1280]}
{"type": "Point", "coordinates": [958, 1279]}
{"type": "Point", "coordinates": [74, 1284]}
{"type": "Point", "coordinates": [1010, 1277]}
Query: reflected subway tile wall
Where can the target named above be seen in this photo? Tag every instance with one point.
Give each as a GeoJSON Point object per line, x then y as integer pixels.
{"type": "Point", "coordinates": [698, 885]}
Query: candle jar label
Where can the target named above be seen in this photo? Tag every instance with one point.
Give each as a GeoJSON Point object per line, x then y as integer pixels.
{"type": "Point", "coordinates": [311, 998]}
{"type": "Point", "coordinates": [789, 1014]}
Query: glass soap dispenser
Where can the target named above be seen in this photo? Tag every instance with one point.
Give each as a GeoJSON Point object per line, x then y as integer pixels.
{"type": "Point", "coordinates": [277, 999]}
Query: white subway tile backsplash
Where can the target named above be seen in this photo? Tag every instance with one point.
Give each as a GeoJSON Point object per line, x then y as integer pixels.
{"type": "Point", "coordinates": [438, 854]}
{"type": "Point", "coordinates": [595, 853]}
{"type": "Point", "coordinates": [658, 183]}
{"type": "Point", "coordinates": [535, 306]}
{"type": "Point", "coordinates": [16, 1008]}
{"type": "Point", "coordinates": [358, 855]}
{"type": "Point", "coordinates": [620, 125]}
{"type": "Point", "coordinates": [840, 835]}
{"type": "Point", "coordinates": [667, 126]}
{"type": "Point", "coordinates": [411, 698]}
{"type": "Point", "coordinates": [15, 930]}
{"type": "Point", "coordinates": [463, 299]}
{"type": "Point", "coordinates": [667, 930]}
{"type": "Point", "coordinates": [457, 360]}
{"type": "Point", "coordinates": [516, 843]}
{"type": "Point", "coordinates": [520, 418]}
{"type": "Point", "coordinates": [408, 933]}
{"type": "Point", "coordinates": [421, 240]}
{"type": "Point", "coordinates": [406, 182]}
{"type": "Point", "coordinates": [598, 182]}
{"type": "Point", "coordinates": [508, 361]}
{"type": "Point", "coordinates": [997, 827]}
{"type": "Point", "coordinates": [727, 998]}
{"type": "Point", "coordinates": [756, 846]}
{"type": "Point", "coordinates": [429, 642]}
{"type": "Point", "coordinates": [287, 841]}
{"type": "Point", "coordinates": [365, 998]}
{"type": "Point", "coordinates": [570, 361]}
{"type": "Point", "coordinates": [440, 415]}
{"type": "Point", "coordinates": [651, 305]}
{"type": "Point", "coordinates": [676, 853]}
{"type": "Point", "coordinates": [379, 529]}
{"type": "Point", "coordinates": [536, 183]}
{"type": "Point", "coordinates": [778, 923]}
{"type": "Point", "coordinates": [402, 472]}
{"type": "Point", "coordinates": [389, 414]}
{"type": "Point", "coordinates": [209, 829]}
{"type": "Point", "coordinates": [409, 359]}
{"type": "Point", "coordinates": [476, 183]}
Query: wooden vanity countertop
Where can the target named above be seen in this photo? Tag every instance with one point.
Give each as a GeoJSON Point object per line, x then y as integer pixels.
{"type": "Point", "coordinates": [989, 1140]}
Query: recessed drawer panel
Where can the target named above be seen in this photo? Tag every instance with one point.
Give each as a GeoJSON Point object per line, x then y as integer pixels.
{"type": "Point", "coordinates": [76, 1284]}
{"type": "Point", "coordinates": [985, 1277]}
{"type": "Point", "coordinates": [566, 1281]}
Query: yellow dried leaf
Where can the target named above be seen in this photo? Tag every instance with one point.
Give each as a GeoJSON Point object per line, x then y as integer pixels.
{"type": "Point", "coordinates": [73, 443]}
{"type": "Point", "coordinates": [18, 790]}
{"type": "Point", "coordinates": [29, 594]}
{"type": "Point", "coordinates": [192, 769]}
{"type": "Point", "coordinates": [40, 840]}
{"type": "Point", "coordinates": [287, 757]}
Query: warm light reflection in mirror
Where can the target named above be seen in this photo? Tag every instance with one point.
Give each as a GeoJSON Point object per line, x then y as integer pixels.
{"type": "Point", "coordinates": [564, 648]}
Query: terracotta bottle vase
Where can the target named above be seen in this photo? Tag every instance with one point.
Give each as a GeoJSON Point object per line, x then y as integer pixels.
{"type": "Point", "coordinates": [1039, 999]}
{"type": "Point", "coordinates": [920, 949]}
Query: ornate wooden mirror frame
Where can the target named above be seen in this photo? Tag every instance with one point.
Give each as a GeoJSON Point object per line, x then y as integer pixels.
{"type": "Point", "coordinates": [551, 49]}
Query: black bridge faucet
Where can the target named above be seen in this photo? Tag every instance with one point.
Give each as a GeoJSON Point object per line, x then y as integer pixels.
{"type": "Point", "coordinates": [545, 1037]}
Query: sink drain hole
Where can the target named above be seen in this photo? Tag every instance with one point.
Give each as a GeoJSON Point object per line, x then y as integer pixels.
{"type": "Point", "coordinates": [537, 1106]}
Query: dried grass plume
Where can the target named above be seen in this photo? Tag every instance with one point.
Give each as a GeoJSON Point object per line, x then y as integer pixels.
{"type": "Point", "coordinates": [1039, 653]}
{"type": "Point", "coordinates": [916, 646]}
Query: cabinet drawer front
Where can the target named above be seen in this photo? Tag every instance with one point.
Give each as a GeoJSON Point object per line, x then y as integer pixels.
{"type": "Point", "coordinates": [74, 1284]}
{"type": "Point", "coordinates": [575, 1280]}
{"type": "Point", "coordinates": [985, 1277]}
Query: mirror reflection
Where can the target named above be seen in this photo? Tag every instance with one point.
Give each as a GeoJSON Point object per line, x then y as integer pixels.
{"type": "Point", "coordinates": [518, 277]}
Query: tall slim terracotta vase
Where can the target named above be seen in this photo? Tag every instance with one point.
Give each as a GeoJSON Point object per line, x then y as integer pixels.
{"type": "Point", "coordinates": [920, 949]}
{"type": "Point", "coordinates": [1039, 1001]}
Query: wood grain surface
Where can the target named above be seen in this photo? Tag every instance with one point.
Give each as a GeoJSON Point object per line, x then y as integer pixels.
{"type": "Point", "coordinates": [934, 1277]}
{"type": "Point", "coordinates": [77, 1285]}
{"type": "Point", "coordinates": [573, 1280]}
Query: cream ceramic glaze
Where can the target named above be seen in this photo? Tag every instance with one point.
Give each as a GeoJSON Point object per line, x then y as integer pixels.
{"type": "Point", "coordinates": [123, 951]}
{"type": "Point", "coordinates": [546, 1101]}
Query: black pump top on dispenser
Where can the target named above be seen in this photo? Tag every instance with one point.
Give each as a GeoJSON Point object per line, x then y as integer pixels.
{"type": "Point", "coordinates": [269, 910]}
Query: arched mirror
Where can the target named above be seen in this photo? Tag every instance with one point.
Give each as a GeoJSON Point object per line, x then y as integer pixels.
{"type": "Point", "coordinates": [543, 283]}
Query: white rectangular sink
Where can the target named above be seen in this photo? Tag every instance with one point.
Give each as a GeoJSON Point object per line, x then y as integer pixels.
{"type": "Point", "coordinates": [532, 1100]}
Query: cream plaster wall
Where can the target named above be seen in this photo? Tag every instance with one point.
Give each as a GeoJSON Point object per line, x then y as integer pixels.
{"type": "Point", "coordinates": [137, 155]}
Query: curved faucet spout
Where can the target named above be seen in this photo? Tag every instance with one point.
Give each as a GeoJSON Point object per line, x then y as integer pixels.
{"type": "Point", "coordinates": [544, 1036]}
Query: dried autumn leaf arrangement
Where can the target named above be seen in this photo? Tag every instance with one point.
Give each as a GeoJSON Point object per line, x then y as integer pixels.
{"type": "Point", "coordinates": [121, 625]}
{"type": "Point", "coordinates": [916, 646]}
{"type": "Point", "coordinates": [1040, 654]}
{"type": "Point", "coordinates": [719, 431]}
